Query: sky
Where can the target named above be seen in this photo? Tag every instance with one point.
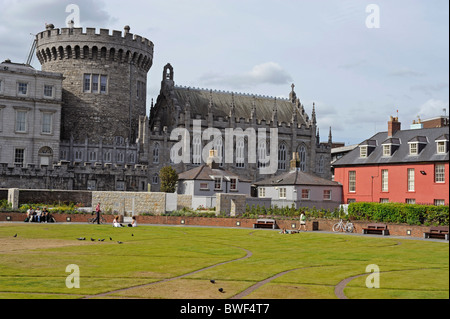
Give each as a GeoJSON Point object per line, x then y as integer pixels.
{"type": "Point", "coordinates": [359, 61]}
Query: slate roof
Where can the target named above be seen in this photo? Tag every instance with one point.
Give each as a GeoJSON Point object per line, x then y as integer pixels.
{"type": "Point", "coordinates": [401, 155]}
{"type": "Point", "coordinates": [222, 101]}
{"type": "Point", "coordinates": [204, 173]}
{"type": "Point", "coordinates": [296, 177]}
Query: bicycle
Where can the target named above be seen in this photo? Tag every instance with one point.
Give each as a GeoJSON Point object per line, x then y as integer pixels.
{"type": "Point", "coordinates": [92, 220]}
{"type": "Point", "coordinates": [347, 227]}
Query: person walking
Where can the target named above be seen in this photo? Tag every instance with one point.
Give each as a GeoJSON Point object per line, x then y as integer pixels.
{"type": "Point", "coordinates": [97, 211]}
{"type": "Point", "coordinates": [302, 221]}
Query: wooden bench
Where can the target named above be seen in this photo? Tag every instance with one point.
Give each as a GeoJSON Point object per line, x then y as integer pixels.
{"type": "Point", "coordinates": [437, 232]}
{"type": "Point", "coordinates": [265, 223]}
{"type": "Point", "coordinates": [376, 228]}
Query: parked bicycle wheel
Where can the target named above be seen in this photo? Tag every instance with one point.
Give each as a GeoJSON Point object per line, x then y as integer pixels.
{"type": "Point", "coordinates": [337, 227]}
{"type": "Point", "coordinates": [349, 228]}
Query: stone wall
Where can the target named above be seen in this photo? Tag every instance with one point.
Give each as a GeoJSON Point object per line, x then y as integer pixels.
{"type": "Point", "coordinates": [132, 203]}
{"type": "Point", "coordinates": [232, 204]}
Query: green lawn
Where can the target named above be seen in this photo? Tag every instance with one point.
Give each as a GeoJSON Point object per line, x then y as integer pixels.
{"type": "Point", "coordinates": [33, 265]}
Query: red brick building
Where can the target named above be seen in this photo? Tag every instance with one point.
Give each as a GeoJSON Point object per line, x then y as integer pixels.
{"type": "Point", "coordinates": [404, 166]}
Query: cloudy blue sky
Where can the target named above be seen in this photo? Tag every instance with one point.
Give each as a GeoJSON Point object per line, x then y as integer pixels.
{"type": "Point", "coordinates": [357, 76]}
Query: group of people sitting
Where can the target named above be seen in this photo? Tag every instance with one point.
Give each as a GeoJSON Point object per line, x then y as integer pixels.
{"type": "Point", "coordinates": [117, 224]}
{"type": "Point", "coordinates": [39, 216]}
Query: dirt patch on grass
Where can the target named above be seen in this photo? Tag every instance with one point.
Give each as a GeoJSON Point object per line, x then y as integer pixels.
{"type": "Point", "coordinates": [8, 245]}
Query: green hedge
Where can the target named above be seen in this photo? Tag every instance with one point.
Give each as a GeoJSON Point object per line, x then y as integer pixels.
{"type": "Point", "coordinates": [400, 213]}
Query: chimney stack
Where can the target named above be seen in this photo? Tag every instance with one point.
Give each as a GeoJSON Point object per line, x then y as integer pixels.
{"type": "Point", "coordinates": [295, 162]}
{"type": "Point", "coordinates": [393, 126]}
{"type": "Point", "coordinates": [213, 160]}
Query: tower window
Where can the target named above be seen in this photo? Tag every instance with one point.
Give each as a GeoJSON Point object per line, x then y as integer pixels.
{"type": "Point", "coordinates": [95, 83]}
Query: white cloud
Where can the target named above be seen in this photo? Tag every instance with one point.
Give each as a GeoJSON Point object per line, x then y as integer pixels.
{"type": "Point", "coordinates": [405, 72]}
{"type": "Point", "coordinates": [265, 73]}
{"type": "Point", "coordinates": [432, 108]}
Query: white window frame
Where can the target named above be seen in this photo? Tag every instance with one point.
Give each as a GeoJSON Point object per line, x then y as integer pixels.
{"type": "Point", "coordinates": [411, 180]}
{"type": "Point", "coordinates": [363, 151]}
{"type": "Point", "coordinates": [306, 191]}
{"type": "Point", "coordinates": [439, 173]}
{"type": "Point", "coordinates": [21, 86]}
{"type": "Point", "coordinates": [17, 127]}
{"type": "Point", "coordinates": [261, 192]}
{"type": "Point", "coordinates": [22, 163]}
{"type": "Point", "coordinates": [43, 124]}
{"type": "Point", "coordinates": [233, 181]}
{"type": "Point", "coordinates": [282, 193]}
{"type": "Point", "coordinates": [218, 181]}
{"type": "Point", "coordinates": [441, 147]}
{"type": "Point", "coordinates": [352, 181]}
{"type": "Point", "coordinates": [413, 148]}
{"type": "Point", "coordinates": [327, 194]}
{"type": "Point", "coordinates": [48, 87]}
{"type": "Point", "coordinates": [385, 180]}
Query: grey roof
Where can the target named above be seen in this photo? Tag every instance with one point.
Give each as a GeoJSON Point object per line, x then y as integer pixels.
{"type": "Point", "coordinates": [204, 172]}
{"type": "Point", "coordinates": [199, 100]}
{"type": "Point", "coordinates": [401, 155]}
{"type": "Point", "coordinates": [296, 177]}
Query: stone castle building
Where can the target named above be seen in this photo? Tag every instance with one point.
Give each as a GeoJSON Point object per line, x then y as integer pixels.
{"type": "Point", "coordinates": [101, 138]}
{"type": "Point", "coordinates": [178, 107]}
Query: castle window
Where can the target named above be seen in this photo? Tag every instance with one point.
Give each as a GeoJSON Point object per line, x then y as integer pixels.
{"type": "Point", "coordinates": [120, 157]}
{"type": "Point", "coordinates": [218, 146]}
{"type": "Point", "coordinates": [156, 154]}
{"type": "Point", "coordinates": [95, 83]}
{"type": "Point", "coordinates": [262, 153]}
{"type": "Point", "coordinates": [78, 156]}
{"type": "Point", "coordinates": [132, 158]}
{"type": "Point", "coordinates": [282, 155]}
{"type": "Point", "coordinates": [321, 164]}
{"type": "Point", "coordinates": [140, 90]}
{"type": "Point", "coordinates": [302, 156]}
{"type": "Point", "coordinates": [107, 157]}
{"type": "Point", "coordinates": [197, 150]}
{"type": "Point", "coordinates": [87, 83]}
{"type": "Point", "coordinates": [155, 179]}
{"type": "Point", "coordinates": [240, 159]}
{"type": "Point", "coordinates": [92, 156]}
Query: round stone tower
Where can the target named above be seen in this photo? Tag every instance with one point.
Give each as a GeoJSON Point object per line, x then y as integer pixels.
{"type": "Point", "coordinates": [105, 80]}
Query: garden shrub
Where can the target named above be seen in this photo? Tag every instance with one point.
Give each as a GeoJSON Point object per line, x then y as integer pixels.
{"type": "Point", "coordinates": [399, 213]}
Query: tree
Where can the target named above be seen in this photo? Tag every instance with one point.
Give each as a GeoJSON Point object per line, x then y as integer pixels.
{"type": "Point", "coordinates": [169, 179]}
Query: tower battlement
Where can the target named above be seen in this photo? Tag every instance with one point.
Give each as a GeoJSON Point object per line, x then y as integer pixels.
{"type": "Point", "coordinates": [76, 43]}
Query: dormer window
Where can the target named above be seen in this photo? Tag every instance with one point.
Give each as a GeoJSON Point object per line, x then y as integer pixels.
{"type": "Point", "coordinates": [387, 150]}
{"type": "Point", "coordinates": [417, 144]}
{"type": "Point", "coordinates": [413, 148]}
{"type": "Point", "coordinates": [363, 151]}
{"type": "Point", "coordinates": [442, 144]}
{"type": "Point", "coordinates": [366, 148]}
{"type": "Point", "coordinates": [390, 146]}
